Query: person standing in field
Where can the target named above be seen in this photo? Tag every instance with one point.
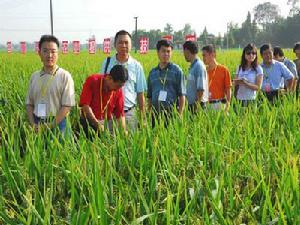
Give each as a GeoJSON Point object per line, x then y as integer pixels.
{"type": "Point", "coordinates": [274, 74]}
{"type": "Point", "coordinates": [296, 50]}
{"type": "Point", "coordinates": [219, 81]}
{"type": "Point", "coordinates": [102, 99]}
{"type": "Point", "coordinates": [249, 76]}
{"type": "Point", "coordinates": [166, 88]}
{"type": "Point", "coordinates": [197, 85]}
{"type": "Point", "coordinates": [279, 56]}
{"type": "Point", "coordinates": [135, 86]}
{"type": "Point", "coordinates": [51, 90]}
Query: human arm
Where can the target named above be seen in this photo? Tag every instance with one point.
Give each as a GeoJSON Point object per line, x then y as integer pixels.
{"type": "Point", "coordinates": [181, 104]}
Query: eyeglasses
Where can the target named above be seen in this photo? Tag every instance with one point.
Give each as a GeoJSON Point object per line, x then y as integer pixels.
{"type": "Point", "coordinates": [249, 53]}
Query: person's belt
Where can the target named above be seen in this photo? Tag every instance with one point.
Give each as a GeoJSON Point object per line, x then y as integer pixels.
{"type": "Point", "coordinates": [223, 100]}
{"type": "Point", "coordinates": [128, 109]}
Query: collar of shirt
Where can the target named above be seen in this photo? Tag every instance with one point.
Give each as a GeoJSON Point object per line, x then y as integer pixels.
{"type": "Point", "coordinates": [272, 64]}
{"type": "Point", "coordinates": [42, 72]}
{"type": "Point", "coordinates": [167, 67]}
{"type": "Point", "coordinates": [129, 61]}
{"type": "Point", "coordinates": [194, 62]}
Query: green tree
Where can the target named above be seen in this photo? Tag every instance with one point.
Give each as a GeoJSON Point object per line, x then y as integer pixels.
{"type": "Point", "coordinates": [266, 13]}
{"type": "Point", "coordinates": [168, 29]}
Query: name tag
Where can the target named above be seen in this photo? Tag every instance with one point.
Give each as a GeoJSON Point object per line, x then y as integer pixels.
{"type": "Point", "coordinates": [162, 96]}
{"type": "Point", "coordinates": [267, 87]}
{"type": "Point", "coordinates": [41, 110]}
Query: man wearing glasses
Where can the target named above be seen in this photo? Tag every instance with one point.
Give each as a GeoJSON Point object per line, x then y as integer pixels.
{"type": "Point", "coordinates": [51, 90]}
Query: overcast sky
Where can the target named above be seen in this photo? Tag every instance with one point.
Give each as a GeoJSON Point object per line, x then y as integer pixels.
{"type": "Point", "coordinates": [26, 20]}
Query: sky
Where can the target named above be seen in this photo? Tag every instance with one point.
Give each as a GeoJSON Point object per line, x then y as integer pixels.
{"type": "Point", "coordinates": [27, 20]}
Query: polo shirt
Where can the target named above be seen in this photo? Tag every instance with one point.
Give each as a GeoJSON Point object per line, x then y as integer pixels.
{"type": "Point", "coordinates": [274, 74]}
{"type": "Point", "coordinates": [291, 66]}
{"type": "Point", "coordinates": [136, 82]}
{"type": "Point", "coordinates": [54, 90]}
{"type": "Point", "coordinates": [218, 81]}
{"type": "Point", "coordinates": [197, 81]}
{"type": "Point", "coordinates": [169, 79]}
{"type": "Point", "coordinates": [112, 101]}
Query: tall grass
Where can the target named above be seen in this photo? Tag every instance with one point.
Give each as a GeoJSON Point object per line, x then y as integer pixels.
{"type": "Point", "coordinates": [207, 169]}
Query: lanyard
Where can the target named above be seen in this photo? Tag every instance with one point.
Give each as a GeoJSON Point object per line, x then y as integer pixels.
{"type": "Point", "coordinates": [101, 99]}
{"type": "Point", "coordinates": [45, 87]}
{"type": "Point", "coordinates": [267, 74]}
{"type": "Point", "coordinates": [163, 82]}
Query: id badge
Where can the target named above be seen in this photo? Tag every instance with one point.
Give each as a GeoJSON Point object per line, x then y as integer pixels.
{"type": "Point", "coordinates": [162, 96]}
{"type": "Point", "coordinates": [268, 87]}
{"type": "Point", "coordinates": [41, 110]}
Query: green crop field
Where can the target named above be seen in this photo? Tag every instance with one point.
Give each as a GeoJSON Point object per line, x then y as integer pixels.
{"type": "Point", "coordinates": [241, 168]}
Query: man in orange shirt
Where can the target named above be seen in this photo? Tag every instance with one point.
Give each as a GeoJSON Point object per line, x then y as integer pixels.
{"type": "Point", "coordinates": [219, 81]}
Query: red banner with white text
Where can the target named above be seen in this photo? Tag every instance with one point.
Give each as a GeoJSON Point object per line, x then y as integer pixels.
{"type": "Point", "coordinates": [23, 47]}
{"type": "Point", "coordinates": [144, 45]}
{"type": "Point", "coordinates": [76, 47]}
{"type": "Point", "coordinates": [9, 47]}
{"type": "Point", "coordinates": [106, 46]}
{"type": "Point", "coordinates": [92, 46]}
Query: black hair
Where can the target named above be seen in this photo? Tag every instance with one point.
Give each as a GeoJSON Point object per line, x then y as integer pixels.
{"type": "Point", "coordinates": [119, 73]}
{"type": "Point", "coordinates": [249, 48]}
{"type": "Point", "coordinates": [265, 47]}
{"type": "Point", "coordinates": [191, 46]}
{"type": "Point", "coordinates": [48, 38]}
{"type": "Point", "coordinates": [121, 32]}
{"type": "Point", "coordinates": [296, 46]}
{"type": "Point", "coordinates": [209, 48]}
{"type": "Point", "coordinates": [165, 43]}
{"type": "Point", "coordinates": [278, 51]}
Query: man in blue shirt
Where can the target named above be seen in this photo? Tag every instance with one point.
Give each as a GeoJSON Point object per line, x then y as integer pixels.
{"type": "Point", "coordinates": [274, 73]}
{"type": "Point", "coordinates": [279, 56]}
{"type": "Point", "coordinates": [197, 85]}
{"type": "Point", "coordinates": [135, 86]}
{"type": "Point", "coordinates": [166, 87]}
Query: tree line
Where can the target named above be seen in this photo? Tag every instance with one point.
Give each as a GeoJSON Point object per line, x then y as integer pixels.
{"type": "Point", "coordinates": [264, 24]}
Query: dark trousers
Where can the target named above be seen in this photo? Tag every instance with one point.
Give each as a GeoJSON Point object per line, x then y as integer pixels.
{"type": "Point", "coordinates": [272, 96]}
{"type": "Point", "coordinates": [246, 103]}
{"type": "Point", "coordinates": [194, 108]}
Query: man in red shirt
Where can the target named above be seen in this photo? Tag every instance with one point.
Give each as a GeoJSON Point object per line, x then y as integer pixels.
{"type": "Point", "coordinates": [102, 99]}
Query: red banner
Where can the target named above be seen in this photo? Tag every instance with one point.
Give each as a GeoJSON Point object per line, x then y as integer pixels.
{"type": "Point", "coordinates": [106, 46]}
{"type": "Point", "coordinates": [92, 46]}
{"type": "Point", "coordinates": [190, 37]}
{"type": "Point", "coordinates": [168, 37]}
{"type": "Point", "coordinates": [9, 47]}
{"type": "Point", "coordinates": [36, 47]}
{"type": "Point", "coordinates": [23, 47]}
{"type": "Point", "coordinates": [144, 45]}
{"type": "Point", "coordinates": [76, 47]}
{"type": "Point", "coordinates": [64, 47]}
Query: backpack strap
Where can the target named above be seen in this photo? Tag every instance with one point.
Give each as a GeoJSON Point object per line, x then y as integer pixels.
{"type": "Point", "coordinates": [106, 64]}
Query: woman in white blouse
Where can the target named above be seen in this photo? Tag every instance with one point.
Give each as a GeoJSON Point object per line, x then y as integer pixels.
{"type": "Point", "coordinates": [249, 76]}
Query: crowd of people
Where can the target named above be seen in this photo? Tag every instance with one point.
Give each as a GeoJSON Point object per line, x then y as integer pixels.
{"type": "Point", "coordinates": [116, 95]}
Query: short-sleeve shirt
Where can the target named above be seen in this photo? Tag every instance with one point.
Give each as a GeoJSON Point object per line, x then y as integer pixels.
{"type": "Point", "coordinates": [197, 81]}
{"type": "Point", "coordinates": [218, 81]}
{"type": "Point", "coordinates": [105, 104]}
{"type": "Point", "coordinates": [291, 66]}
{"type": "Point", "coordinates": [136, 82]}
{"type": "Point", "coordinates": [55, 90]}
{"type": "Point", "coordinates": [274, 74]}
{"type": "Point", "coordinates": [169, 79]}
{"type": "Point", "coordinates": [250, 75]}
{"type": "Point", "coordinates": [297, 62]}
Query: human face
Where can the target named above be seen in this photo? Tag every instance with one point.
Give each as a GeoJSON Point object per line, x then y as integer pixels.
{"type": "Point", "coordinates": [164, 54]}
{"type": "Point", "coordinates": [297, 52]}
{"type": "Point", "coordinates": [267, 56]}
{"type": "Point", "coordinates": [123, 44]}
{"type": "Point", "coordinates": [250, 56]}
{"type": "Point", "coordinates": [114, 85]}
{"type": "Point", "coordinates": [49, 54]}
{"type": "Point", "coordinates": [187, 55]}
{"type": "Point", "coordinates": [207, 57]}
